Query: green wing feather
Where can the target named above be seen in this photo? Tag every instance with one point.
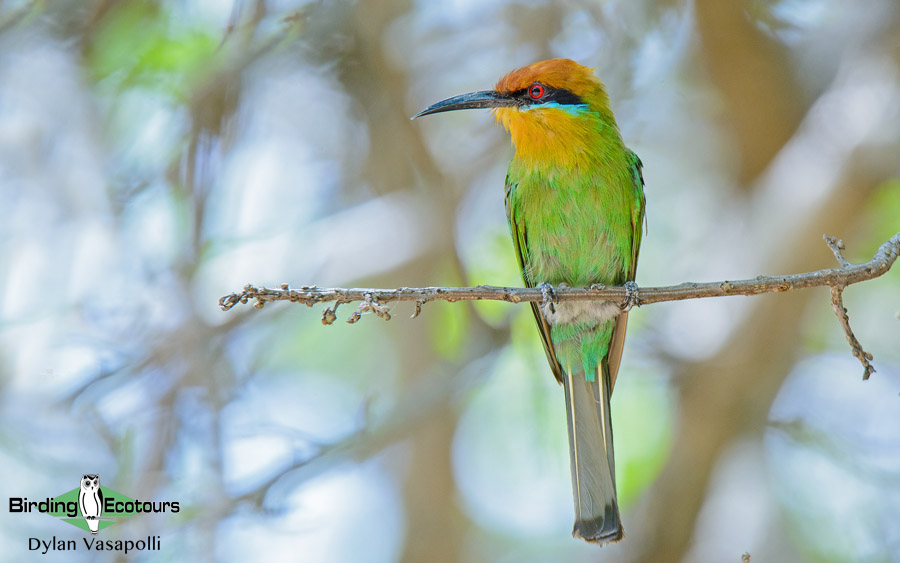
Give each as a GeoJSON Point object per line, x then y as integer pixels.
{"type": "Point", "coordinates": [638, 218]}
{"type": "Point", "coordinates": [520, 243]}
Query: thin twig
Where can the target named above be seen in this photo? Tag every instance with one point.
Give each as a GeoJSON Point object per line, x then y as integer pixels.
{"type": "Point", "coordinates": [837, 303]}
{"type": "Point", "coordinates": [865, 358]}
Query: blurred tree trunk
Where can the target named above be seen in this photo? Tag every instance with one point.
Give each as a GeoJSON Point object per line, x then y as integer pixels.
{"type": "Point", "coordinates": [755, 80]}
{"type": "Point", "coordinates": [434, 525]}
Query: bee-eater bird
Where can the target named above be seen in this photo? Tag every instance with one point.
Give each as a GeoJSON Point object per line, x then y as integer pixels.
{"type": "Point", "coordinates": [575, 206]}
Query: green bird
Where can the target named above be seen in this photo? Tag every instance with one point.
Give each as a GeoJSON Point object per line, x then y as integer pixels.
{"type": "Point", "coordinates": [575, 205]}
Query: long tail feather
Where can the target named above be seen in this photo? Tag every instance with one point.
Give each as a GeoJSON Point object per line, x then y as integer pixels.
{"type": "Point", "coordinates": [593, 462]}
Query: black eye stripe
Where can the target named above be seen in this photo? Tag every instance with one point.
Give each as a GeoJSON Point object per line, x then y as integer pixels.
{"type": "Point", "coordinates": [563, 97]}
{"type": "Point", "coordinates": [558, 95]}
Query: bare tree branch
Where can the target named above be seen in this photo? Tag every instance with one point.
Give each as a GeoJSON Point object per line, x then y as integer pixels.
{"type": "Point", "coordinates": [373, 300]}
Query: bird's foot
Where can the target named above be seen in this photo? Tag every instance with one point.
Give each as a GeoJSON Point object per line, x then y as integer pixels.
{"type": "Point", "coordinates": [631, 297]}
{"type": "Point", "coordinates": [549, 297]}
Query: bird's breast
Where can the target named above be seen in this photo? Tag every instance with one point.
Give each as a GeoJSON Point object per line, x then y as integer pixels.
{"type": "Point", "coordinates": [578, 229]}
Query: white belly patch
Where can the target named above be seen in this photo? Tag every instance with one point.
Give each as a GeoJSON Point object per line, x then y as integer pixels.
{"type": "Point", "coordinates": [587, 312]}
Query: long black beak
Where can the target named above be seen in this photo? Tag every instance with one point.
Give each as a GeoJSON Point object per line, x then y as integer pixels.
{"type": "Point", "coordinates": [472, 100]}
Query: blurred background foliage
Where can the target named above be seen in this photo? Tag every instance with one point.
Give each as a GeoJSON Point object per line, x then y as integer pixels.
{"type": "Point", "coordinates": [155, 155]}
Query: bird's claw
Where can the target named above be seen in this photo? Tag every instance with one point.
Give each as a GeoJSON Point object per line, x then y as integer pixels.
{"type": "Point", "coordinates": [549, 297]}
{"type": "Point", "coordinates": [631, 297]}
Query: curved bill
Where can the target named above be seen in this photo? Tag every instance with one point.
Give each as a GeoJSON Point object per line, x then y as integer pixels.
{"type": "Point", "coordinates": [472, 100]}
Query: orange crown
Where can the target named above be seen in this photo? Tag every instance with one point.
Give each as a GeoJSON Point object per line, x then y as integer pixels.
{"type": "Point", "coordinates": [556, 73]}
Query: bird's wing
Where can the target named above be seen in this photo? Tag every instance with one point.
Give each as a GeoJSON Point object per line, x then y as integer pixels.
{"type": "Point", "coordinates": [638, 217]}
{"type": "Point", "coordinates": [520, 242]}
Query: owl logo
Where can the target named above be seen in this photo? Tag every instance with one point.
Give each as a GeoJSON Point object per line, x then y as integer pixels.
{"type": "Point", "coordinates": [90, 501]}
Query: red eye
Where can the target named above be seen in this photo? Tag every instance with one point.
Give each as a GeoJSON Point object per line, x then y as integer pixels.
{"type": "Point", "coordinates": [536, 91]}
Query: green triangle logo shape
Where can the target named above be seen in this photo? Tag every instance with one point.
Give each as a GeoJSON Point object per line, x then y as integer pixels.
{"type": "Point", "coordinates": [107, 519]}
